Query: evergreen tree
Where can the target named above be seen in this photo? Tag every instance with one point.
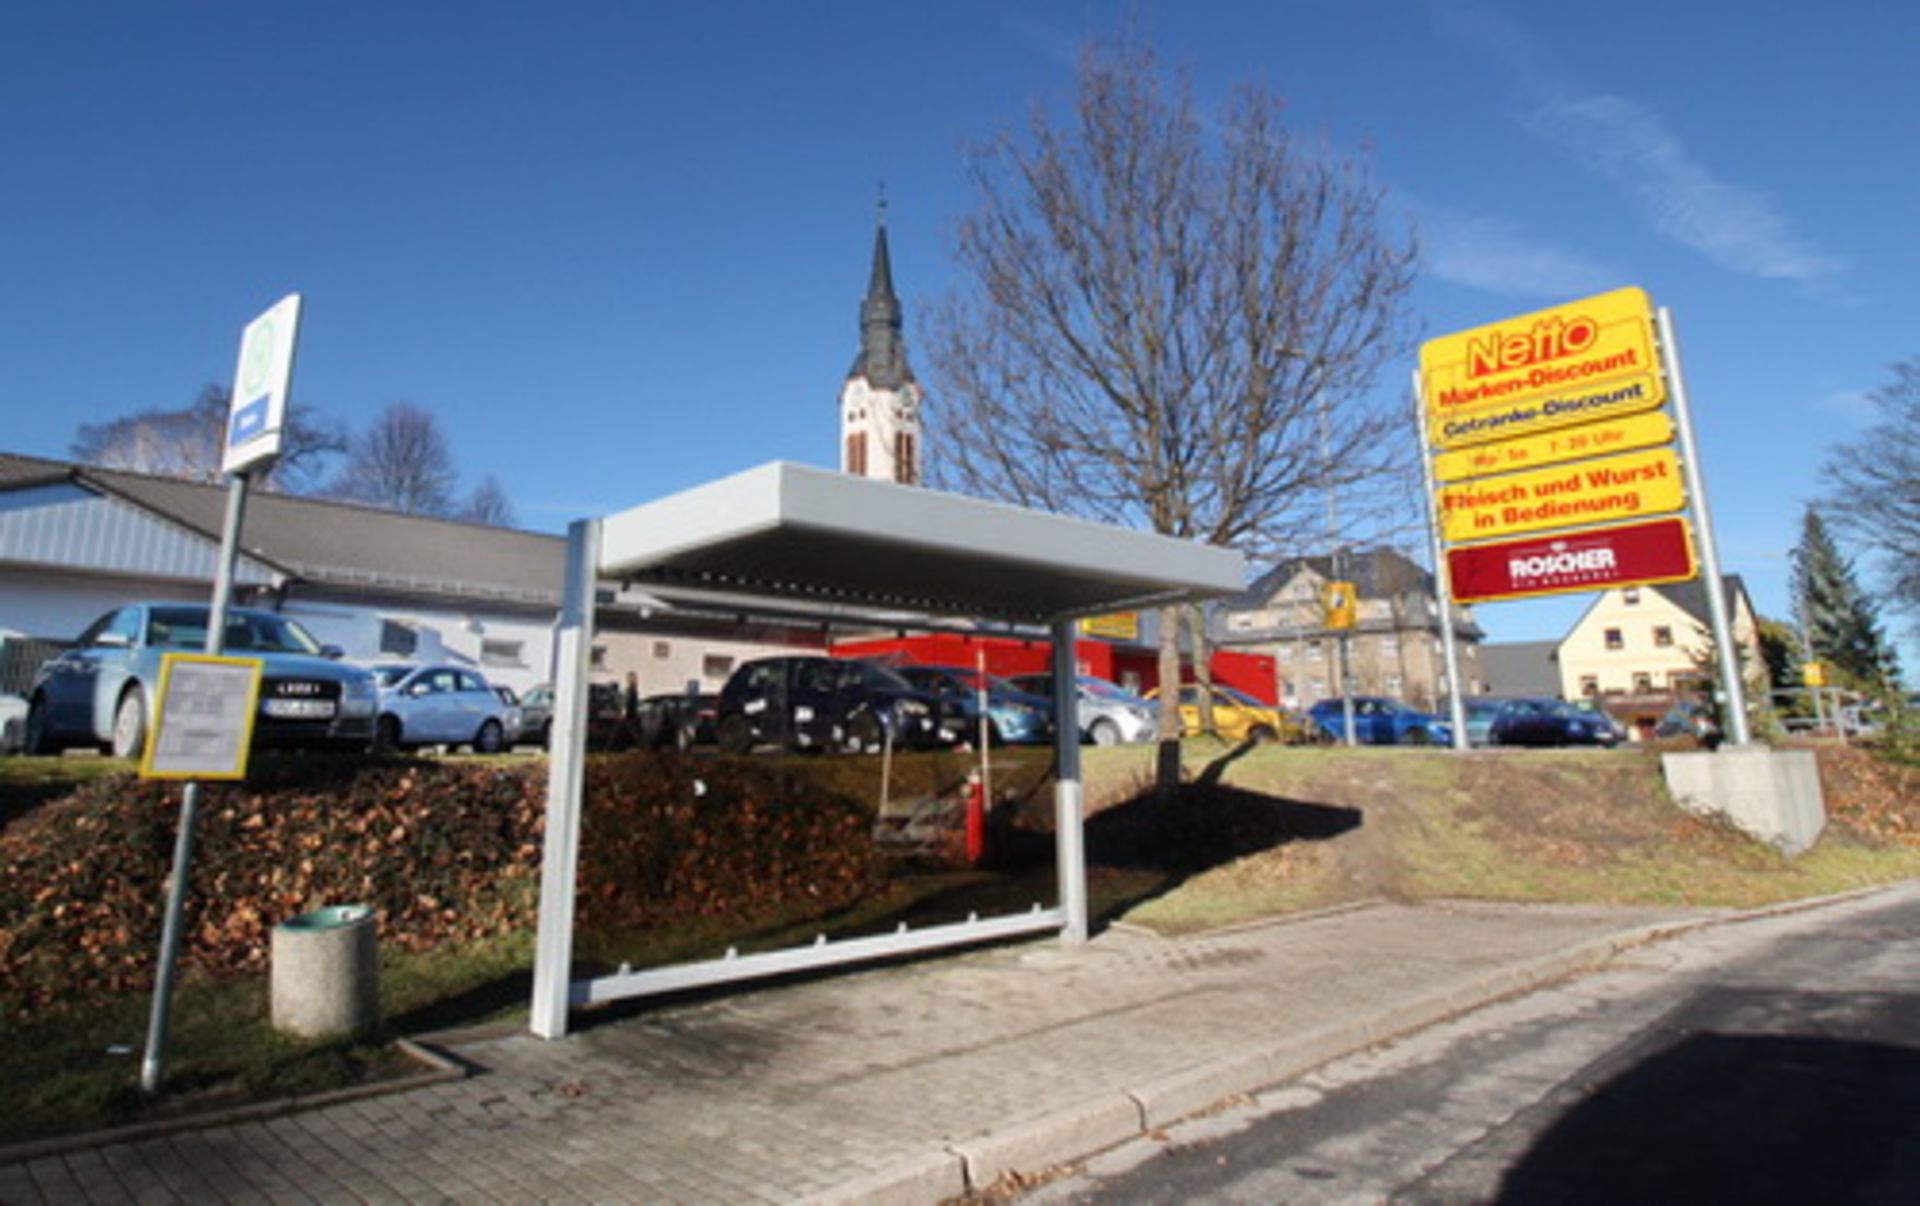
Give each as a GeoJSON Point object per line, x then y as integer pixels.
{"type": "Point", "coordinates": [1838, 622]}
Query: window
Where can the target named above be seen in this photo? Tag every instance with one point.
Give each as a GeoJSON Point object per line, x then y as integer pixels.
{"type": "Point", "coordinates": [1314, 650]}
{"type": "Point", "coordinates": [903, 459]}
{"type": "Point", "coordinates": [1642, 683]}
{"type": "Point", "coordinates": [501, 653]}
{"type": "Point", "coordinates": [598, 658]}
{"type": "Point", "coordinates": [715, 665]}
{"type": "Point", "coordinates": [398, 639]}
{"type": "Point", "coordinates": [1393, 684]}
{"type": "Point", "coordinates": [1630, 596]}
{"type": "Point", "coordinates": [662, 649]}
{"type": "Point", "coordinates": [1614, 639]}
{"type": "Point", "coordinates": [857, 453]}
{"type": "Point", "coordinates": [1662, 637]}
{"type": "Point", "coordinates": [1589, 684]}
{"type": "Point", "coordinates": [1389, 643]}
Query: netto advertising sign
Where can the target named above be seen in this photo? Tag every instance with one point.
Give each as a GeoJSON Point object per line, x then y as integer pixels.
{"type": "Point", "coordinates": [1612, 488]}
{"type": "Point", "coordinates": [1587, 360]}
{"type": "Point", "coordinates": [1635, 554]}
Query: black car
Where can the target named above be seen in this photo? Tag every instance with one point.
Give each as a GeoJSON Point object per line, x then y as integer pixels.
{"type": "Point", "coordinates": [678, 721]}
{"type": "Point", "coordinates": [812, 703]}
{"type": "Point", "coordinates": [1549, 722]}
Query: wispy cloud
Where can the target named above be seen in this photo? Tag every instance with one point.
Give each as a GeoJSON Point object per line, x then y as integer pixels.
{"type": "Point", "coordinates": [1630, 145]}
{"type": "Point", "coordinates": [1496, 254]}
{"type": "Point", "coordinates": [1854, 405]}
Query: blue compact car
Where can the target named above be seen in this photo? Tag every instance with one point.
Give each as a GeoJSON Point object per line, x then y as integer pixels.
{"type": "Point", "coordinates": [102, 691]}
{"type": "Point", "coordinates": [1014, 717]}
{"type": "Point", "coordinates": [1378, 720]}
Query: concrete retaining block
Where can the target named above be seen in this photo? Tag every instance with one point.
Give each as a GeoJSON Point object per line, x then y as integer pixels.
{"type": "Point", "coordinates": [1772, 794]}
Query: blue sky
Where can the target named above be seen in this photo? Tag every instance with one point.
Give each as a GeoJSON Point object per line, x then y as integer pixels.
{"type": "Point", "coordinates": [619, 248]}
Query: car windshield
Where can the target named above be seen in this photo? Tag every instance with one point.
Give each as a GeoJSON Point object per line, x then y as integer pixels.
{"type": "Point", "coordinates": [882, 676]}
{"type": "Point", "coordinates": [387, 676]}
{"type": "Point", "coordinates": [247, 631]}
{"type": "Point", "coordinates": [970, 679]}
{"type": "Point", "coordinates": [1238, 696]}
{"type": "Point", "coordinates": [1565, 711]}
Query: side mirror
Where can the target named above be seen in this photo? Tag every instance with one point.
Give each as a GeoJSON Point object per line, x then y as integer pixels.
{"type": "Point", "coordinates": [332, 653]}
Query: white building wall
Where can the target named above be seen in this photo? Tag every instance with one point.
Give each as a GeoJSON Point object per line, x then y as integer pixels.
{"type": "Point", "coordinates": [56, 605]}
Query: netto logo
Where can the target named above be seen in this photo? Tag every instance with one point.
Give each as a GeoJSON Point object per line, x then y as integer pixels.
{"type": "Point", "coordinates": [1549, 339]}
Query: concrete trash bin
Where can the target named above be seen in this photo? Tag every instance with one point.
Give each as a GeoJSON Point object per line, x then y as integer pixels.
{"type": "Point", "coordinates": [326, 972]}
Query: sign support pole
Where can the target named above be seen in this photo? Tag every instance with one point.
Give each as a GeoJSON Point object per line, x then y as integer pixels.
{"type": "Point", "coordinates": [1728, 656]}
{"type": "Point", "coordinates": [153, 1060]}
{"type": "Point", "coordinates": [1442, 579]}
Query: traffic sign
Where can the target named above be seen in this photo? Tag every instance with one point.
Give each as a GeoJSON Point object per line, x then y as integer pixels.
{"type": "Point", "coordinates": [1572, 364]}
{"type": "Point", "coordinates": [260, 383]}
{"type": "Point", "coordinates": [1340, 602]}
{"type": "Point", "coordinates": [1635, 554]}
{"type": "Point", "coordinates": [1590, 492]}
{"type": "Point", "coordinates": [1570, 444]}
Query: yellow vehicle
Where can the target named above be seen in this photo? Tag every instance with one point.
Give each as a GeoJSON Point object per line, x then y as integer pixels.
{"type": "Point", "coordinates": [1237, 716]}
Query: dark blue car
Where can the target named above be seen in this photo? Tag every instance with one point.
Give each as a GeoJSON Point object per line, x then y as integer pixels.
{"type": "Point", "coordinates": [1542, 722]}
{"type": "Point", "coordinates": [1378, 720]}
{"type": "Point", "coordinates": [1014, 717]}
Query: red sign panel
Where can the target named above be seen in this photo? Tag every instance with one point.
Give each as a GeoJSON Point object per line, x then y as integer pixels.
{"type": "Point", "coordinates": [1634, 554]}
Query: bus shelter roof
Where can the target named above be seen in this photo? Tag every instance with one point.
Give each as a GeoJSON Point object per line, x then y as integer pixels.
{"type": "Point", "coordinates": [809, 536]}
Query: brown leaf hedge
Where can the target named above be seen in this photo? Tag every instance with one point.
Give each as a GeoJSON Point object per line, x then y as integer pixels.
{"type": "Point", "coordinates": [444, 851]}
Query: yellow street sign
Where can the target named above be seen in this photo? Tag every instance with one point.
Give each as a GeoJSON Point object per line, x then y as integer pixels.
{"type": "Point", "coordinates": [1340, 604]}
{"type": "Point", "coordinates": [1814, 674]}
{"type": "Point", "coordinates": [1568, 444]}
{"type": "Point", "coordinates": [1121, 626]}
{"type": "Point", "coordinates": [1601, 491]}
{"type": "Point", "coordinates": [1587, 360]}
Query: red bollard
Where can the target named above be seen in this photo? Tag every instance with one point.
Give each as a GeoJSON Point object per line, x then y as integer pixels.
{"type": "Point", "coordinates": [976, 819]}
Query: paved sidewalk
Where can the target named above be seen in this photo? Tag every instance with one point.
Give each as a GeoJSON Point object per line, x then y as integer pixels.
{"type": "Point", "coordinates": [903, 1084]}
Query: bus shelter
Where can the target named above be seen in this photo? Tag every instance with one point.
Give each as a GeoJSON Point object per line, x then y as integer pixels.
{"type": "Point", "coordinates": [790, 541]}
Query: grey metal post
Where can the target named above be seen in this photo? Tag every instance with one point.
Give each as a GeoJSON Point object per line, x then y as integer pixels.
{"type": "Point", "coordinates": [1070, 853]}
{"type": "Point", "coordinates": [1729, 656]}
{"type": "Point", "coordinates": [160, 1017]}
{"type": "Point", "coordinates": [1338, 670]}
{"type": "Point", "coordinates": [560, 856]}
{"type": "Point", "coordinates": [1442, 578]}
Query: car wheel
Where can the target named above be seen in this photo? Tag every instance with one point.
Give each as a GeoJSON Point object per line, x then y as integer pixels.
{"type": "Point", "coordinates": [39, 741]}
{"type": "Point", "coordinates": [546, 735]}
{"type": "Point", "coordinates": [1104, 732]}
{"type": "Point", "coordinates": [489, 739]}
{"type": "Point", "coordinates": [129, 726]}
{"type": "Point", "coordinates": [733, 734]}
{"type": "Point", "coordinates": [1419, 737]}
{"type": "Point", "coordinates": [386, 735]}
{"type": "Point", "coordinates": [1262, 735]}
{"type": "Point", "coordinates": [864, 735]}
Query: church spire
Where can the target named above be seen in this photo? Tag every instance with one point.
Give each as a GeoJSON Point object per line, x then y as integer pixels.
{"type": "Point", "coordinates": [883, 352]}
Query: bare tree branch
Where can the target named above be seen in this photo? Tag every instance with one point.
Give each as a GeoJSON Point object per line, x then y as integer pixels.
{"type": "Point", "coordinates": [191, 442]}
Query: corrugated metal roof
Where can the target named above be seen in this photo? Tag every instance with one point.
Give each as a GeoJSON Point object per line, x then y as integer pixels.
{"type": "Point", "coordinates": [339, 543]}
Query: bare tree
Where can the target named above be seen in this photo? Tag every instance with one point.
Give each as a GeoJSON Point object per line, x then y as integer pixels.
{"type": "Point", "coordinates": [401, 463]}
{"type": "Point", "coordinates": [1875, 483]}
{"type": "Point", "coordinates": [191, 441]}
{"type": "Point", "coordinates": [1171, 322]}
{"type": "Point", "coordinates": [489, 504]}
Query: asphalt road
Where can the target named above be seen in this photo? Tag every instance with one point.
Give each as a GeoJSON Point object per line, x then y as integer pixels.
{"type": "Point", "coordinates": [1770, 1060]}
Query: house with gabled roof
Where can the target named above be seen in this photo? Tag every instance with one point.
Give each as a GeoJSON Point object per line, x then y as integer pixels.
{"type": "Point", "coordinates": [1394, 647]}
{"type": "Point", "coordinates": [1640, 650]}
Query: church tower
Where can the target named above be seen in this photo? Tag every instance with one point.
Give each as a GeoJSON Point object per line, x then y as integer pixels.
{"type": "Point", "coordinates": [880, 403]}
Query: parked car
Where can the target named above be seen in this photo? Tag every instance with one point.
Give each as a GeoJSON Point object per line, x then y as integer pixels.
{"type": "Point", "coordinates": [1594, 708]}
{"type": "Point", "coordinates": [1237, 716]}
{"type": "Point", "coordinates": [1549, 722]}
{"type": "Point", "coordinates": [536, 714]}
{"type": "Point", "coordinates": [681, 721]}
{"type": "Point", "coordinates": [1108, 713]}
{"type": "Point", "coordinates": [1480, 712]}
{"type": "Point", "coordinates": [1014, 716]}
{"type": "Point", "coordinates": [438, 705]}
{"type": "Point", "coordinates": [102, 691]}
{"type": "Point", "coordinates": [1690, 720]}
{"type": "Point", "coordinates": [516, 719]}
{"type": "Point", "coordinates": [1378, 720]}
{"type": "Point", "coordinates": [13, 724]}
{"type": "Point", "coordinates": [811, 702]}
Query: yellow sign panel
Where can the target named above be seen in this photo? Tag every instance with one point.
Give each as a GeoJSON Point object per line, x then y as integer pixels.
{"type": "Point", "coordinates": [1570, 444]}
{"type": "Point", "coordinates": [203, 717]}
{"type": "Point", "coordinates": [1617, 487]}
{"type": "Point", "coordinates": [1587, 360]}
{"type": "Point", "coordinates": [1814, 674]}
{"type": "Point", "coordinates": [1340, 604]}
{"type": "Point", "coordinates": [1121, 626]}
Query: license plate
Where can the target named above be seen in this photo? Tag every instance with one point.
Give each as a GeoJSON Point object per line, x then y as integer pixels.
{"type": "Point", "coordinates": [299, 709]}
